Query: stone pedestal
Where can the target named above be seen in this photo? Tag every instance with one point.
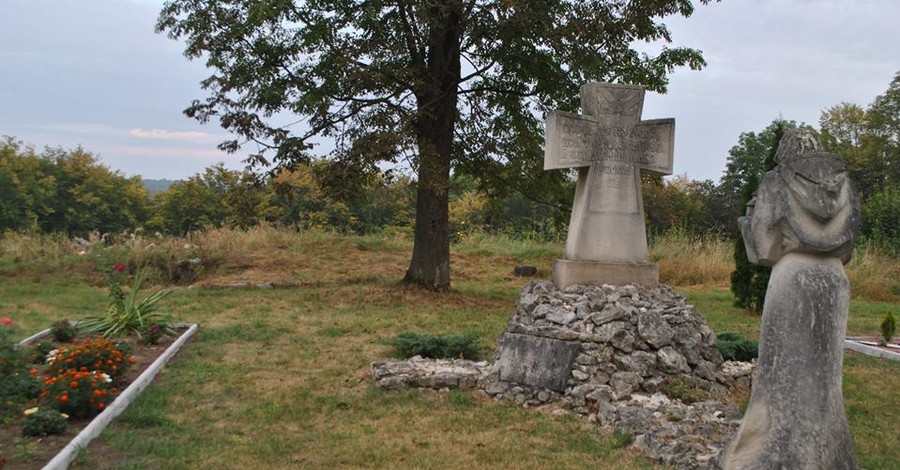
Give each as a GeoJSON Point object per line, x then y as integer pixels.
{"type": "Point", "coordinates": [568, 272]}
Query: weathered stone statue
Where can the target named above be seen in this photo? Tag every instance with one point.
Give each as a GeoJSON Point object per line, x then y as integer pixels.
{"type": "Point", "coordinates": [802, 222]}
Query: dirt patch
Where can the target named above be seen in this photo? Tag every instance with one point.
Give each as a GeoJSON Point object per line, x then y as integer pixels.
{"type": "Point", "coordinates": [25, 453]}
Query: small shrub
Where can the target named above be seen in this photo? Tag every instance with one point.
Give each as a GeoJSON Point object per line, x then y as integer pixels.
{"type": "Point", "coordinates": [63, 331]}
{"type": "Point", "coordinates": [152, 334]}
{"type": "Point", "coordinates": [44, 422]}
{"type": "Point", "coordinates": [17, 382]}
{"type": "Point", "coordinates": [410, 344]}
{"type": "Point", "coordinates": [735, 347]}
{"type": "Point", "coordinates": [79, 393]}
{"type": "Point", "coordinates": [888, 327]}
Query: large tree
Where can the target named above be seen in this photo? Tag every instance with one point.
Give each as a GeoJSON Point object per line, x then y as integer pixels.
{"type": "Point", "coordinates": [439, 82]}
{"type": "Point", "coordinates": [868, 139]}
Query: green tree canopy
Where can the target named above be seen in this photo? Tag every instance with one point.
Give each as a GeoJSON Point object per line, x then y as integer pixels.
{"type": "Point", "coordinates": [748, 163]}
{"type": "Point", "coordinates": [443, 83]}
{"type": "Point", "coordinates": [868, 139]}
{"type": "Point", "coordinates": [66, 191]}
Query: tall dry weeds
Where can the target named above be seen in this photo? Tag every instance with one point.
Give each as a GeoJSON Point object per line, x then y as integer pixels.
{"type": "Point", "coordinates": [691, 261]}
{"type": "Point", "coordinates": [684, 260]}
{"type": "Point", "coordinates": [874, 274]}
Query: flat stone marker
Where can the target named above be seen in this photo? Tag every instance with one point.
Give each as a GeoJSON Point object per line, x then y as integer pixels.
{"type": "Point", "coordinates": [536, 362]}
{"type": "Point", "coordinates": [610, 145]}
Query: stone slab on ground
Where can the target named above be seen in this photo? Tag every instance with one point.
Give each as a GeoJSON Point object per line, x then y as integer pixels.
{"type": "Point", "coordinates": [536, 362]}
{"type": "Point", "coordinates": [419, 372]}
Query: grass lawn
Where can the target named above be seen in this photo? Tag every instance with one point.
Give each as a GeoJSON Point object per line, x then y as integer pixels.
{"type": "Point", "coordinates": [279, 378]}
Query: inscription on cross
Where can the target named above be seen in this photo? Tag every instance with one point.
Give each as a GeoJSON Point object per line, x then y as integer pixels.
{"type": "Point", "coordinates": [610, 146]}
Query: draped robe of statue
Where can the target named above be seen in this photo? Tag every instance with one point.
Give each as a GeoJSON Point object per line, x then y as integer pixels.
{"type": "Point", "coordinates": [802, 222]}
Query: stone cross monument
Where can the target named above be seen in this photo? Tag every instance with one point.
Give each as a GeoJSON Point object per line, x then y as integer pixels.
{"type": "Point", "coordinates": [610, 145]}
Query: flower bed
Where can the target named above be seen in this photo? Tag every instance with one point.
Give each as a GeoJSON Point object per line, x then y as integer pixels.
{"type": "Point", "coordinates": [87, 400]}
{"type": "Point", "coordinates": [79, 370]}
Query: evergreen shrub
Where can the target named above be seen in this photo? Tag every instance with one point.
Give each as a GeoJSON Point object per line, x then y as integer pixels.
{"type": "Point", "coordinates": [409, 344]}
{"type": "Point", "coordinates": [735, 347]}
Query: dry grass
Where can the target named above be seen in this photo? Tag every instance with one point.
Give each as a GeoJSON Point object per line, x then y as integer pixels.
{"type": "Point", "coordinates": [688, 261]}
{"type": "Point", "coordinates": [319, 256]}
{"type": "Point", "coordinates": [874, 275]}
{"type": "Point", "coordinates": [279, 378]}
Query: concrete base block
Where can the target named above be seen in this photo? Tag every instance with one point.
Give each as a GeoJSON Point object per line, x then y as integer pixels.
{"type": "Point", "coordinates": [568, 272]}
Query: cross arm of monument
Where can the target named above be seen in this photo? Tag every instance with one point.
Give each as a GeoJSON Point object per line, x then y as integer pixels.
{"type": "Point", "coordinates": [573, 140]}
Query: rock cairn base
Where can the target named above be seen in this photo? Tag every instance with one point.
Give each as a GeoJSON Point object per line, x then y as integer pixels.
{"type": "Point", "coordinates": [626, 358]}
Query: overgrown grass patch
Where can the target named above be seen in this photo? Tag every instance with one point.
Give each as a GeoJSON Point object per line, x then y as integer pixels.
{"type": "Point", "coordinates": [279, 378]}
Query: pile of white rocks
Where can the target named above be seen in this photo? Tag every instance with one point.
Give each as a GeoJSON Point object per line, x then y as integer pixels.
{"type": "Point", "coordinates": [622, 340]}
{"type": "Point", "coordinates": [627, 358]}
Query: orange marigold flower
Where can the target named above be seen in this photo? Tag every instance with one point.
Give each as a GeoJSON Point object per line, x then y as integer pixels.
{"type": "Point", "coordinates": [100, 406]}
{"type": "Point", "coordinates": [64, 399]}
{"type": "Point", "coordinates": [98, 393]}
{"type": "Point", "coordinates": [132, 360]}
{"type": "Point", "coordinates": [74, 384]}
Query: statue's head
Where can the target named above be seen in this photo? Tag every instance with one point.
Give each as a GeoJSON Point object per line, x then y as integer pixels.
{"type": "Point", "coordinates": [796, 142]}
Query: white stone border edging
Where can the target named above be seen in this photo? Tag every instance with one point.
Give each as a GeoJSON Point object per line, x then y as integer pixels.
{"type": "Point", "coordinates": [95, 427]}
{"type": "Point", "coordinates": [870, 350]}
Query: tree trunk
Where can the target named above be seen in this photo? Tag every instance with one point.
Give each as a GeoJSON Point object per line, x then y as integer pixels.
{"type": "Point", "coordinates": [430, 263]}
{"type": "Point", "coordinates": [435, 124]}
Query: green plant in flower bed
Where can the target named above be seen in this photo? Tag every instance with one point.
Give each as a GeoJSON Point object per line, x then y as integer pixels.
{"type": "Point", "coordinates": [17, 383]}
{"type": "Point", "coordinates": [63, 331]}
{"type": "Point", "coordinates": [40, 422]}
{"type": "Point", "coordinates": [126, 314]}
{"type": "Point", "coordinates": [39, 351]}
{"type": "Point", "coordinates": [79, 393]}
{"type": "Point", "coordinates": [93, 354]}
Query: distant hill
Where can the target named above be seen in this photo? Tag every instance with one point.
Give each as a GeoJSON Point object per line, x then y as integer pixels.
{"type": "Point", "coordinates": [157, 186]}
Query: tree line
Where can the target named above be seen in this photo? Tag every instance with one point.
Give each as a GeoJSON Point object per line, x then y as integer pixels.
{"type": "Point", "coordinates": [70, 191]}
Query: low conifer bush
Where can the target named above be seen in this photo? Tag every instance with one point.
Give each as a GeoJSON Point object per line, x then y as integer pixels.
{"type": "Point", "coordinates": [735, 347]}
{"type": "Point", "coordinates": [409, 344]}
{"type": "Point", "coordinates": [888, 327]}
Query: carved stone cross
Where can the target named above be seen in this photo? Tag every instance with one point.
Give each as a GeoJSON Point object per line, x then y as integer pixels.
{"type": "Point", "coordinates": [610, 145]}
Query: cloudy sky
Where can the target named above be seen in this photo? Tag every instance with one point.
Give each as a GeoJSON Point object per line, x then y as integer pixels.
{"type": "Point", "coordinates": [93, 73]}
